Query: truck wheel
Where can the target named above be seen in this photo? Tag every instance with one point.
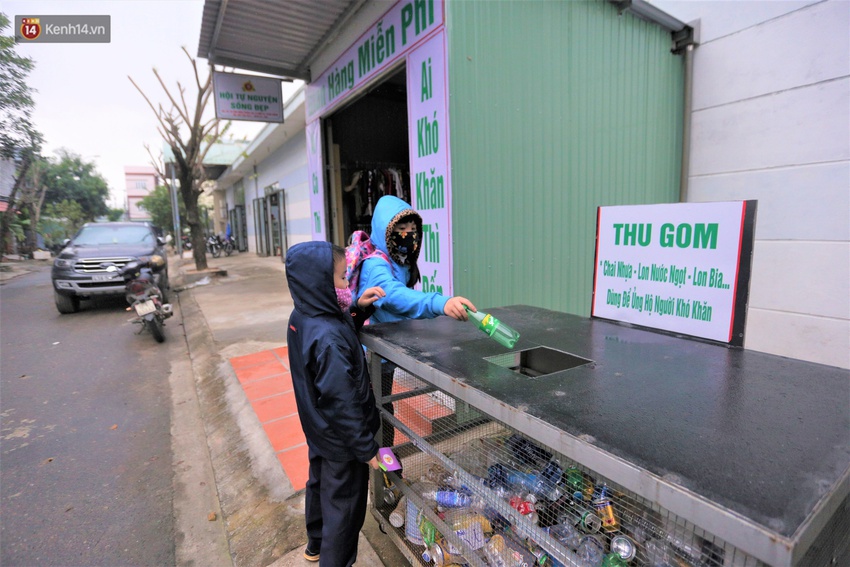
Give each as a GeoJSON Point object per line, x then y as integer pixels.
{"type": "Point", "coordinates": [66, 304]}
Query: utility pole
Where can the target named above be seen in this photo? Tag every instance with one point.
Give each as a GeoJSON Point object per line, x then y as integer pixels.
{"type": "Point", "coordinates": [175, 214]}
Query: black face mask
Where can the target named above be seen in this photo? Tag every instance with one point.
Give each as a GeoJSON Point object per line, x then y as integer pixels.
{"type": "Point", "coordinates": [403, 245]}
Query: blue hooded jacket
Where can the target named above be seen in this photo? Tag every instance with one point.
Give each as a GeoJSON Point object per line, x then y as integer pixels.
{"type": "Point", "coordinates": [330, 376]}
{"type": "Point", "coordinates": [401, 302]}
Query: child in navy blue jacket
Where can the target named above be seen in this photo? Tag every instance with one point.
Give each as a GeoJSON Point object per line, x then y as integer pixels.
{"type": "Point", "coordinates": [334, 396]}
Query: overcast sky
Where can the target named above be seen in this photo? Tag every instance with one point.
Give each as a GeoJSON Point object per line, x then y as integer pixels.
{"type": "Point", "coordinates": [86, 103]}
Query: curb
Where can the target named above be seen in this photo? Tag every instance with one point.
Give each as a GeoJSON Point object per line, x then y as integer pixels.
{"type": "Point", "coordinates": [259, 530]}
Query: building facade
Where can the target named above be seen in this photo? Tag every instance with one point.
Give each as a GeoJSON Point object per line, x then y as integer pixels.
{"type": "Point", "coordinates": [139, 182]}
{"type": "Point", "coordinates": [507, 124]}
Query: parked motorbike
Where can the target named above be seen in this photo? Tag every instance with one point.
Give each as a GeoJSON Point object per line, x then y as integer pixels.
{"type": "Point", "coordinates": [228, 245]}
{"type": "Point", "coordinates": [146, 298]}
{"type": "Point", "coordinates": [187, 242]}
{"type": "Point", "coordinates": [214, 246]}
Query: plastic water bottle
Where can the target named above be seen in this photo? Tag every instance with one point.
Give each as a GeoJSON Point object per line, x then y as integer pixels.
{"type": "Point", "coordinates": [547, 481]}
{"type": "Point", "coordinates": [449, 498]}
{"type": "Point", "coordinates": [566, 534]}
{"type": "Point", "coordinates": [501, 475]}
{"type": "Point", "coordinates": [591, 550]}
{"type": "Point", "coordinates": [494, 328]}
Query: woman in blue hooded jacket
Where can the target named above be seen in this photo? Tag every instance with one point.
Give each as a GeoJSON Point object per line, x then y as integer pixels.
{"type": "Point", "coordinates": [397, 232]}
{"type": "Point", "coordinates": [333, 393]}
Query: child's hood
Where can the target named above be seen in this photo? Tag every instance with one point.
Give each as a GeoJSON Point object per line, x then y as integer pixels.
{"type": "Point", "coordinates": [387, 213]}
{"type": "Point", "coordinates": [309, 273]}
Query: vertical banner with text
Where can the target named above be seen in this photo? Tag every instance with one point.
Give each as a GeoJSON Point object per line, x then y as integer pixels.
{"type": "Point", "coordinates": [428, 129]}
{"type": "Point", "coordinates": [317, 181]}
{"type": "Point", "coordinates": [681, 267]}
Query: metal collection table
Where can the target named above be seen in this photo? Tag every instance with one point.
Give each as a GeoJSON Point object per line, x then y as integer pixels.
{"type": "Point", "coordinates": [745, 455]}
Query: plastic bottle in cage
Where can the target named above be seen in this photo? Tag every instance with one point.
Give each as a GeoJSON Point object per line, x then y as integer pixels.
{"type": "Point", "coordinates": [426, 529]}
{"type": "Point", "coordinates": [411, 520]}
{"type": "Point", "coordinates": [566, 534]}
{"type": "Point", "coordinates": [449, 498]}
{"type": "Point", "coordinates": [658, 553]}
{"type": "Point", "coordinates": [578, 484]}
{"type": "Point", "coordinates": [591, 550]}
{"type": "Point", "coordinates": [504, 476]}
{"type": "Point", "coordinates": [546, 485]}
{"type": "Point", "coordinates": [496, 552]}
{"type": "Point", "coordinates": [614, 560]}
{"type": "Point", "coordinates": [411, 525]}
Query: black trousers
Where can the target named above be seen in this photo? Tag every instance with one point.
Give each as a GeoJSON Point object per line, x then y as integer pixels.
{"type": "Point", "coordinates": [335, 508]}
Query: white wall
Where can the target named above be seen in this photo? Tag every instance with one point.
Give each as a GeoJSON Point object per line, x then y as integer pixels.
{"type": "Point", "coordinates": [287, 166]}
{"type": "Point", "coordinates": [771, 121]}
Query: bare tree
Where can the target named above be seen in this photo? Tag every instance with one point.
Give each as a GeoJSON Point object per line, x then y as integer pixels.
{"type": "Point", "coordinates": [190, 137]}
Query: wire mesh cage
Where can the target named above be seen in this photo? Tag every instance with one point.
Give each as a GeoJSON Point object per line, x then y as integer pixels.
{"type": "Point", "coordinates": [473, 491]}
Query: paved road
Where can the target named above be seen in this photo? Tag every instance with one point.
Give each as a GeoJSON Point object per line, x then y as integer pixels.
{"type": "Point", "coordinates": [86, 475]}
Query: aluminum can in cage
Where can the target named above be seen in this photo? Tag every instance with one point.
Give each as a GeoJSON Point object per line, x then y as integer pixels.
{"type": "Point", "coordinates": [441, 554]}
{"type": "Point", "coordinates": [587, 520]}
{"type": "Point", "coordinates": [390, 495]}
{"type": "Point", "coordinates": [624, 547]}
{"type": "Point", "coordinates": [605, 511]}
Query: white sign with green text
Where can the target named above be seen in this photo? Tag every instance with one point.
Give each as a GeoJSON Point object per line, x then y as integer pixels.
{"type": "Point", "coordinates": [679, 267]}
{"type": "Point", "coordinates": [247, 97]}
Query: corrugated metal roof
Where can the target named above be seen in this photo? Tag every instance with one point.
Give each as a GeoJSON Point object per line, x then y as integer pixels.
{"type": "Point", "coordinates": [278, 38]}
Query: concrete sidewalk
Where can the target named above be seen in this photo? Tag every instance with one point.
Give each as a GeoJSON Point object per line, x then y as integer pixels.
{"type": "Point", "coordinates": [235, 318]}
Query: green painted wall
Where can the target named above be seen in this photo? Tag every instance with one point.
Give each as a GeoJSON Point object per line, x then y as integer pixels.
{"type": "Point", "coordinates": [556, 107]}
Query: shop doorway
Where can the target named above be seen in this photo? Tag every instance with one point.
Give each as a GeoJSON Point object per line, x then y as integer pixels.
{"type": "Point", "coordinates": [270, 220]}
{"type": "Point", "coordinates": [366, 155]}
{"type": "Point", "coordinates": [239, 228]}
{"type": "Point", "coordinates": [261, 229]}
{"type": "Point", "coordinates": [277, 222]}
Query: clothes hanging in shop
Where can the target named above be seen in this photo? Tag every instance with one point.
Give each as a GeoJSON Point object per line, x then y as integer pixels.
{"type": "Point", "coordinates": [368, 185]}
